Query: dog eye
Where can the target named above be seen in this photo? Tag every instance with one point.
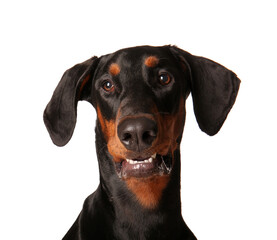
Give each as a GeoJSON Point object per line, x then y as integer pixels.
{"type": "Point", "coordinates": [108, 86]}
{"type": "Point", "coordinates": [164, 78]}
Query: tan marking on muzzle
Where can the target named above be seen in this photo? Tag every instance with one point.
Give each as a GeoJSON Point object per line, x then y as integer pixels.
{"type": "Point", "coordinates": [109, 129]}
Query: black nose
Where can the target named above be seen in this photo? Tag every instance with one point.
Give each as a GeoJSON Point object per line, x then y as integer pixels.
{"type": "Point", "coordinates": [137, 134]}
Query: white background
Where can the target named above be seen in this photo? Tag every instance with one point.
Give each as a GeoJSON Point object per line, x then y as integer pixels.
{"type": "Point", "coordinates": [229, 181]}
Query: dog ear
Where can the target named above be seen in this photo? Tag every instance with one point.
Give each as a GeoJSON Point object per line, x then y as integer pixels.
{"type": "Point", "coordinates": [214, 89]}
{"type": "Point", "coordinates": [61, 112]}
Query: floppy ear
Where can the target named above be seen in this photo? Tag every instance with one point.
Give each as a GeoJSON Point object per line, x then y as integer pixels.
{"type": "Point", "coordinates": [61, 112]}
{"type": "Point", "coordinates": [214, 89]}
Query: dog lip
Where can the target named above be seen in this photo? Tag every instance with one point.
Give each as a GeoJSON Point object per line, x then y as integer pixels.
{"type": "Point", "coordinates": [143, 167]}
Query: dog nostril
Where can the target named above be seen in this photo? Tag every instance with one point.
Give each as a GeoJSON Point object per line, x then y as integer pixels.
{"type": "Point", "coordinates": [126, 138]}
{"type": "Point", "coordinates": [148, 136]}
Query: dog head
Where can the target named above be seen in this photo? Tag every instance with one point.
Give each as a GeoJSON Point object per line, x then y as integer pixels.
{"type": "Point", "coordinates": [139, 94]}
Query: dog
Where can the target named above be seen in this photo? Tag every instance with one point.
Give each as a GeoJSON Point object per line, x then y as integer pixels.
{"type": "Point", "coordinates": [139, 94]}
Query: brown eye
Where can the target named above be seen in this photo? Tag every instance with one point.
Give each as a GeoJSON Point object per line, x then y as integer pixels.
{"type": "Point", "coordinates": [108, 86]}
{"type": "Point", "coordinates": [164, 78]}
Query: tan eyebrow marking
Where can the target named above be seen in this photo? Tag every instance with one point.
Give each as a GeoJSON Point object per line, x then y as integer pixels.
{"type": "Point", "coordinates": [114, 69]}
{"type": "Point", "coordinates": [151, 61]}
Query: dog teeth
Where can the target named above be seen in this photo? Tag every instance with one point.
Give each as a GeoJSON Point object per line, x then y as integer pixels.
{"type": "Point", "coordinates": [149, 160]}
{"type": "Point", "coordinates": [131, 161]}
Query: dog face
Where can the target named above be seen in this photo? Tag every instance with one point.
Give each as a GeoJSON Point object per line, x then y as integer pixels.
{"type": "Point", "coordinates": [139, 95]}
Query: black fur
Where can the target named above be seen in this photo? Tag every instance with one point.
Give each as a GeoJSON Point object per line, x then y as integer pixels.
{"type": "Point", "coordinates": [112, 211]}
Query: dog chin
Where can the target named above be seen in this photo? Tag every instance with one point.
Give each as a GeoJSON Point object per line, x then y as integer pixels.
{"type": "Point", "coordinates": [154, 165]}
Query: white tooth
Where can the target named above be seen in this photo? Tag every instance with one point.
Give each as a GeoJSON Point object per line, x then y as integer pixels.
{"type": "Point", "coordinates": [131, 161]}
{"type": "Point", "coordinates": [135, 162]}
{"type": "Point", "coordinates": [154, 155]}
{"type": "Point", "coordinates": [146, 161]}
{"type": "Point", "coordinates": [128, 160]}
{"type": "Point", "coordinates": [150, 159]}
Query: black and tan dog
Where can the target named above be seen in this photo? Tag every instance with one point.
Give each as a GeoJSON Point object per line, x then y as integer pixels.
{"type": "Point", "coordinates": [139, 94]}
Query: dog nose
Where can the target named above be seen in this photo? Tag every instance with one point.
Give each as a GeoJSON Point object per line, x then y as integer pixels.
{"type": "Point", "coordinates": [137, 134]}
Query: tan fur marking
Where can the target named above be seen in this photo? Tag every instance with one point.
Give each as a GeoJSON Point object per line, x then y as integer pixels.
{"type": "Point", "coordinates": [170, 127]}
{"type": "Point", "coordinates": [109, 128]}
{"type": "Point", "coordinates": [114, 69]}
{"type": "Point", "coordinates": [148, 191]}
{"type": "Point", "coordinates": [151, 61]}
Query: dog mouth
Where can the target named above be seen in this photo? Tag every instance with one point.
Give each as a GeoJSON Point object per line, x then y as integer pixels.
{"type": "Point", "coordinates": [145, 167]}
